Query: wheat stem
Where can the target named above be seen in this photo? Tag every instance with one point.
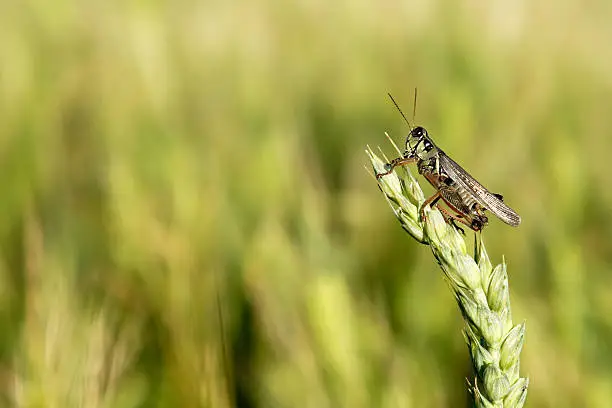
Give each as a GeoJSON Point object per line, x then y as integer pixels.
{"type": "Point", "coordinates": [481, 292]}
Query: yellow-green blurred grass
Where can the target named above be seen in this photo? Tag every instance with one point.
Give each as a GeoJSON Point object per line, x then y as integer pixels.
{"type": "Point", "coordinates": [156, 157]}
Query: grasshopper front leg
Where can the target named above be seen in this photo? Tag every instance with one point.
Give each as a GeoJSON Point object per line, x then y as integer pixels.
{"type": "Point", "coordinates": [400, 161]}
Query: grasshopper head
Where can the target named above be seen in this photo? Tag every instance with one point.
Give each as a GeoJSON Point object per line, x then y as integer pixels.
{"type": "Point", "coordinates": [418, 144]}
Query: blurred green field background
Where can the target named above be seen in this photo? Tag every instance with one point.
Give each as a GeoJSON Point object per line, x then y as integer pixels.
{"type": "Point", "coordinates": [185, 219]}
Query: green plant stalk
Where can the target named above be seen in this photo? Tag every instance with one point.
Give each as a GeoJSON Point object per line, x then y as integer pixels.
{"type": "Point", "coordinates": [481, 292]}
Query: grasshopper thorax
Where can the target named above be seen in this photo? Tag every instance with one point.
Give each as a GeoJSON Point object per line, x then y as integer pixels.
{"type": "Point", "coordinates": [418, 144]}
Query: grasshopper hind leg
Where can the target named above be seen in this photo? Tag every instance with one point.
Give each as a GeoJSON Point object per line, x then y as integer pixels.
{"type": "Point", "coordinates": [476, 223]}
{"type": "Point", "coordinates": [452, 219]}
{"type": "Point", "coordinates": [458, 228]}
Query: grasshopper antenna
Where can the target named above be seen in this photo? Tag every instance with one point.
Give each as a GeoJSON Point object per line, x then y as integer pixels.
{"type": "Point", "coordinates": [400, 111]}
{"type": "Point", "coordinates": [414, 104]}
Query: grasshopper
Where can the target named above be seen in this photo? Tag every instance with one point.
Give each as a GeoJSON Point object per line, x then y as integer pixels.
{"type": "Point", "coordinates": [465, 196]}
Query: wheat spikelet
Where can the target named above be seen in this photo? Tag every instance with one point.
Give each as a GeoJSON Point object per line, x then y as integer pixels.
{"type": "Point", "coordinates": [481, 292]}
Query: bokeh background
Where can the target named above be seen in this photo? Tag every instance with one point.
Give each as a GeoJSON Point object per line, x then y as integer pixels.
{"type": "Point", "coordinates": [186, 221]}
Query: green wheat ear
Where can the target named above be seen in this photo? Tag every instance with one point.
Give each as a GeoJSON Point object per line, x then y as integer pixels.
{"type": "Point", "coordinates": [481, 292]}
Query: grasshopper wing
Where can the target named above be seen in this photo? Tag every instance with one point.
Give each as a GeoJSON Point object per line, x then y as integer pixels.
{"type": "Point", "coordinates": [483, 196]}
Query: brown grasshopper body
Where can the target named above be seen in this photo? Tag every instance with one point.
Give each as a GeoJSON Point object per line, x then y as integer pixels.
{"type": "Point", "coordinates": [465, 196]}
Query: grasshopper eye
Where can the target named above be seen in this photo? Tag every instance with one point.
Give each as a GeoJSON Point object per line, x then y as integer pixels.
{"type": "Point", "coordinates": [419, 132]}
